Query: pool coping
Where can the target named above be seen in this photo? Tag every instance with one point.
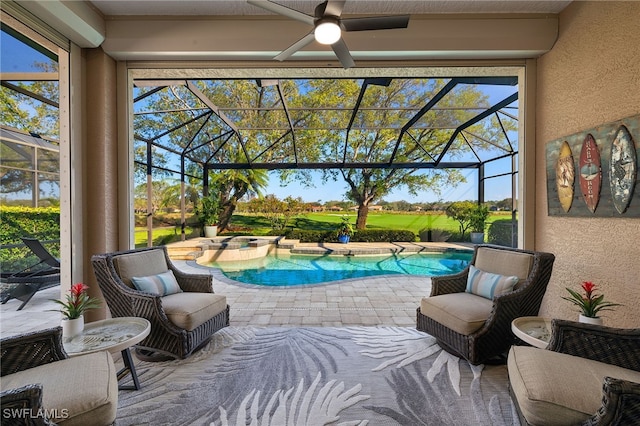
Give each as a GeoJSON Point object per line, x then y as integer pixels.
{"type": "Point", "coordinates": [195, 248]}
{"type": "Point", "coordinates": [339, 249]}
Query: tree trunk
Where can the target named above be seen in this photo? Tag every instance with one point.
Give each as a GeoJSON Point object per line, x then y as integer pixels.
{"type": "Point", "coordinates": [363, 212]}
{"type": "Point", "coordinates": [225, 216]}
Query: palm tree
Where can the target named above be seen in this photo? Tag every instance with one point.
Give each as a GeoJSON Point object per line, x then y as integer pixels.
{"type": "Point", "coordinates": [232, 185]}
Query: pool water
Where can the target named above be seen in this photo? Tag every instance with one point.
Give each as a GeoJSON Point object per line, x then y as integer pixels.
{"type": "Point", "coordinates": [294, 269]}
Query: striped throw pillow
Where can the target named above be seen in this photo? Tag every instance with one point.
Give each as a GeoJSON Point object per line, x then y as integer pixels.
{"type": "Point", "coordinates": [488, 285]}
{"type": "Point", "coordinates": [161, 284]}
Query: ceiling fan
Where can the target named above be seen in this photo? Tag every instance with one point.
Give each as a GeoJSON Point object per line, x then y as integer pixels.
{"type": "Point", "coordinates": [328, 26]}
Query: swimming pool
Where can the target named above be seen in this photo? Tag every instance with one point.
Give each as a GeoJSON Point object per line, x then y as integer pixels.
{"type": "Point", "coordinates": [294, 269]}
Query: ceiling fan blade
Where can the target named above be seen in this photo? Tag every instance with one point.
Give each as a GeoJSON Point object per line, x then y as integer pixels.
{"type": "Point", "coordinates": [342, 52]}
{"type": "Point", "coordinates": [375, 23]}
{"type": "Point", "coordinates": [295, 47]}
{"type": "Point", "coordinates": [334, 8]}
{"type": "Point", "coordinates": [282, 10]}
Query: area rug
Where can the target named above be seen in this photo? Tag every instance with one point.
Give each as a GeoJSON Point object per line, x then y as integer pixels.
{"type": "Point", "coordinates": [319, 376]}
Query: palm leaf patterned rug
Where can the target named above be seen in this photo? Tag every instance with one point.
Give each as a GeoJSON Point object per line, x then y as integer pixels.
{"type": "Point", "coordinates": [302, 376]}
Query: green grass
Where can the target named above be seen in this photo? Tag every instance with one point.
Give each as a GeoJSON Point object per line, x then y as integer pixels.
{"type": "Point", "coordinates": [161, 236]}
{"type": "Point", "coordinates": [251, 224]}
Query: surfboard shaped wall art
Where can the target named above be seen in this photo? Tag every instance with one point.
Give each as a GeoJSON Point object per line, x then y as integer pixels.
{"type": "Point", "coordinates": [607, 171]}
{"type": "Point", "coordinates": [590, 173]}
{"type": "Point", "coordinates": [623, 169]}
{"type": "Point", "coordinates": [565, 176]}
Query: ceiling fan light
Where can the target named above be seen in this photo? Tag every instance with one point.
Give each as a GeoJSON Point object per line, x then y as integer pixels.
{"type": "Point", "coordinates": [327, 31]}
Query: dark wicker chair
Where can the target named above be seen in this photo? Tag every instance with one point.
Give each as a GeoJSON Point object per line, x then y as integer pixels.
{"type": "Point", "coordinates": [616, 346]}
{"type": "Point", "coordinates": [23, 405]}
{"type": "Point", "coordinates": [165, 339]}
{"type": "Point", "coordinates": [494, 337]}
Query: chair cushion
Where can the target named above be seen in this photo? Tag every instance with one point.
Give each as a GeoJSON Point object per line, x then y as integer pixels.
{"type": "Point", "coordinates": [488, 285]}
{"type": "Point", "coordinates": [461, 312]}
{"type": "Point", "coordinates": [140, 264]}
{"type": "Point", "coordinates": [189, 310]}
{"type": "Point", "coordinates": [552, 388]}
{"type": "Point", "coordinates": [504, 262]}
{"type": "Point", "coordinates": [82, 390]}
{"type": "Point", "coordinates": [160, 284]}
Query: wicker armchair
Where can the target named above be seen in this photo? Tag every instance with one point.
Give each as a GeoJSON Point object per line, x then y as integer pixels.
{"type": "Point", "coordinates": [180, 323]}
{"type": "Point", "coordinates": [38, 382]}
{"type": "Point", "coordinates": [485, 332]}
{"type": "Point", "coordinates": [569, 359]}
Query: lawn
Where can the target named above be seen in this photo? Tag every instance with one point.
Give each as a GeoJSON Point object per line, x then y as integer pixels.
{"type": "Point", "coordinates": [251, 224]}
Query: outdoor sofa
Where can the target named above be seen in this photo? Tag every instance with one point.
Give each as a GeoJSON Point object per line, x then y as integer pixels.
{"type": "Point", "coordinates": [587, 375]}
{"type": "Point", "coordinates": [38, 378]}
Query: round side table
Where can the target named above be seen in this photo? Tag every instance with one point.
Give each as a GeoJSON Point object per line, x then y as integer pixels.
{"type": "Point", "coordinates": [535, 331]}
{"type": "Point", "coordinates": [113, 335]}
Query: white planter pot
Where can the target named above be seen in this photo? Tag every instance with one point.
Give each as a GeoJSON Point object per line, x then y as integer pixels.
{"type": "Point", "coordinates": [590, 320]}
{"type": "Point", "coordinates": [71, 328]}
{"type": "Point", "coordinates": [210, 231]}
{"type": "Point", "coordinates": [477, 237]}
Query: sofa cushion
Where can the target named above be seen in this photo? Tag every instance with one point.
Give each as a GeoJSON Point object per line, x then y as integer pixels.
{"type": "Point", "coordinates": [140, 264]}
{"type": "Point", "coordinates": [160, 284]}
{"type": "Point", "coordinates": [552, 388]}
{"type": "Point", "coordinates": [487, 284]}
{"type": "Point", "coordinates": [461, 312]}
{"type": "Point", "coordinates": [189, 310]}
{"type": "Point", "coordinates": [82, 390]}
{"type": "Point", "coordinates": [504, 262]}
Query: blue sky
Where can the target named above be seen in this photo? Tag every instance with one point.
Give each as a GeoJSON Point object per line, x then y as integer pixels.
{"type": "Point", "coordinates": [495, 189]}
{"type": "Point", "coordinates": [16, 58]}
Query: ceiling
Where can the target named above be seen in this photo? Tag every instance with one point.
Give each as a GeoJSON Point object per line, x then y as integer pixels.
{"type": "Point", "coordinates": [236, 31]}
{"type": "Point", "coordinates": [360, 7]}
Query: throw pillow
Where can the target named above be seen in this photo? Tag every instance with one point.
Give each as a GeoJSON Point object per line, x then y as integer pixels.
{"type": "Point", "coordinates": [160, 284]}
{"type": "Point", "coordinates": [488, 285]}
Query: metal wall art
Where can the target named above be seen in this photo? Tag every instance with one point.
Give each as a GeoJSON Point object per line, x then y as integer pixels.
{"type": "Point", "coordinates": [594, 173]}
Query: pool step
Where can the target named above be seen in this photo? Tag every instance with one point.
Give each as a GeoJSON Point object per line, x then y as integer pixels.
{"type": "Point", "coordinates": [184, 252]}
{"type": "Point", "coordinates": [340, 251]}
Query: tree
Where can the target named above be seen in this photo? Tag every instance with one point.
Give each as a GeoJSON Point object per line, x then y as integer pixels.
{"type": "Point", "coordinates": [461, 211]}
{"type": "Point", "coordinates": [278, 212]}
{"type": "Point", "coordinates": [366, 185]}
{"type": "Point", "coordinates": [29, 114]}
{"type": "Point", "coordinates": [233, 185]}
{"type": "Point", "coordinates": [235, 121]}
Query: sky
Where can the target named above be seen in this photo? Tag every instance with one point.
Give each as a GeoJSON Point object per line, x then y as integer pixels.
{"type": "Point", "coordinates": [14, 57]}
{"type": "Point", "coordinates": [495, 189]}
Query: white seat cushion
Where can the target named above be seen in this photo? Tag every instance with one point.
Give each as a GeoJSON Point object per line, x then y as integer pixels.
{"type": "Point", "coordinates": [140, 264]}
{"type": "Point", "coordinates": [558, 389]}
{"type": "Point", "coordinates": [82, 390]}
{"type": "Point", "coordinates": [504, 262]}
{"type": "Point", "coordinates": [461, 312]}
{"type": "Point", "coordinates": [189, 310]}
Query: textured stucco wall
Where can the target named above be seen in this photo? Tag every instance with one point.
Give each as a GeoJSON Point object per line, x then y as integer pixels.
{"type": "Point", "coordinates": [590, 77]}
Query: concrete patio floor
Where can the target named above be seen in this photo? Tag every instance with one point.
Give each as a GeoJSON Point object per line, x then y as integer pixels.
{"type": "Point", "coordinates": [389, 300]}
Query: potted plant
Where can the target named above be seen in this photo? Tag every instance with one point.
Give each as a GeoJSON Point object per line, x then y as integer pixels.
{"type": "Point", "coordinates": [208, 212]}
{"type": "Point", "coordinates": [344, 231]}
{"type": "Point", "coordinates": [590, 304]}
{"type": "Point", "coordinates": [78, 301]}
{"type": "Point", "coordinates": [477, 218]}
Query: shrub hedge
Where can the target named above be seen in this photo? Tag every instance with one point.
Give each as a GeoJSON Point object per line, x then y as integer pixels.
{"type": "Point", "coordinates": [365, 235]}
{"type": "Point", "coordinates": [42, 223]}
{"type": "Point", "coordinates": [500, 232]}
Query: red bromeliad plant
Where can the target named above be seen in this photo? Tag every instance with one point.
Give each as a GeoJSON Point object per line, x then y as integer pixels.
{"type": "Point", "coordinates": [77, 302]}
{"type": "Point", "coordinates": [591, 303]}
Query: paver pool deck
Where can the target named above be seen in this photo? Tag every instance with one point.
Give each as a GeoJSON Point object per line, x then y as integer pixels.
{"type": "Point", "coordinates": [389, 300]}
